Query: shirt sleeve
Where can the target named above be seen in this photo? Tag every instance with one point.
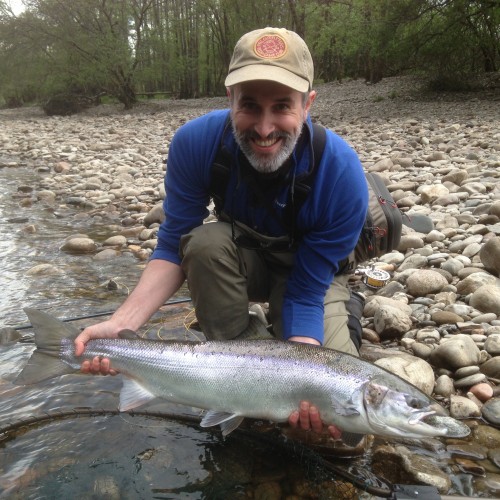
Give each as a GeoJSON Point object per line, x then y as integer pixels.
{"type": "Point", "coordinates": [334, 212]}
{"type": "Point", "coordinates": [187, 182]}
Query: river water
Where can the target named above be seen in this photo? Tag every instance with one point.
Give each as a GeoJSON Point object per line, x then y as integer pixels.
{"type": "Point", "coordinates": [78, 288]}
{"type": "Point", "coordinates": [105, 455]}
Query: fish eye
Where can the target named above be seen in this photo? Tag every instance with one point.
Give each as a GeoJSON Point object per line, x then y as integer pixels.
{"type": "Point", "coordinates": [414, 402]}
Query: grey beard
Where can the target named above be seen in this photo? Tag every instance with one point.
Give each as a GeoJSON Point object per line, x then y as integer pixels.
{"type": "Point", "coordinates": [267, 165]}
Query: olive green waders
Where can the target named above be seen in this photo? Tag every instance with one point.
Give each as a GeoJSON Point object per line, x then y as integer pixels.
{"type": "Point", "coordinates": [223, 278]}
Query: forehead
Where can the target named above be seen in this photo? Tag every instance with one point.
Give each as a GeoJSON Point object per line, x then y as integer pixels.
{"type": "Point", "coordinates": [259, 89]}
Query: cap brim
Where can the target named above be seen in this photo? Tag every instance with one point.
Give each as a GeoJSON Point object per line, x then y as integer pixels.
{"type": "Point", "coordinates": [267, 72]}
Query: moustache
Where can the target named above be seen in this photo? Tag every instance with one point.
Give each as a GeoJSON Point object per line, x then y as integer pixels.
{"type": "Point", "coordinates": [251, 134]}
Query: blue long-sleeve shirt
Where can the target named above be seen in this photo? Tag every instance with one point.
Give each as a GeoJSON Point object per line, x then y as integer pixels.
{"type": "Point", "coordinates": [330, 219]}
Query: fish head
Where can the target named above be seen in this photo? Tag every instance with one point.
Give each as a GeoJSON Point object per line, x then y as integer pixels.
{"type": "Point", "coordinates": [409, 413]}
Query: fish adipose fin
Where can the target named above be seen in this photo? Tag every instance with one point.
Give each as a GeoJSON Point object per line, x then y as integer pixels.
{"type": "Point", "coordinates": [228, 421]}
{"type": "Point", "coordinates": [45, 362]}
{"type": "Point", "coordinates": [133, 395]}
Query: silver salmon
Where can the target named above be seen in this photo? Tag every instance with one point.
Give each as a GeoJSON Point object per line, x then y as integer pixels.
{"type": "Point", "coordinates": [264, 379]}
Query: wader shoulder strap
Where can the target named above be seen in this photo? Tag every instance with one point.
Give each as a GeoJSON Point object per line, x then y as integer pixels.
{"type": "Point", "coordinates": [303, 185]}
{"type": "Point", "coordinates": [219, 177]}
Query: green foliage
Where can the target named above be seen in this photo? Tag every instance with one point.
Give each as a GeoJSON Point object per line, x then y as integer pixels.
{"type": "Point", "coordinates": [120, 47]}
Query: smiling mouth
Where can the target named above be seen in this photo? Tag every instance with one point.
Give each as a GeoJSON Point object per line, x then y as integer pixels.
{"type": "Point", "coordinates": [266, 143]}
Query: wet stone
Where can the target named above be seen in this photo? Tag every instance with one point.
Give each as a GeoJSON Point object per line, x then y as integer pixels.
{"type": "Point", "coordinates": [491, 412]}
{"type": "Point", "coordinates": [492, 344]}
{"type": "Point", "coordinates": [466, 371]}
{"type": "Point", "coordinates": [470, 380]}
{"type": "Point", "coordinates": [444, 386]}
{"type": "Point", "coordinates": [469, 467]}
{"type": "Point", "coordinates": [468, 450]}
{"type": "Point", "coordinates": [482, 391]}
{"type": "Point", "coordinates": [488, 486]}
{"type": "Point", "coordinates": [485, 435]}
{"type": "Point", "coordinates": [494, 456]}
{"type": "Point", "coordinates": [462, 407]}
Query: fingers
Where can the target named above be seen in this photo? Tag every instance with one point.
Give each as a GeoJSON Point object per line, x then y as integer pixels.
{"type": "Point", "coordinates": [301, 418]}
{"type": "Point", "coordinates": [293, 419]}
{"type": "Point", "coordinates": [335, 432]}
{"type": "Point", "coordinates": [82, 339]}
{"type": "Point", "coordinates": [314, 418]}
{"type": "Point", "coordinates": [98, 366]}
{"type": "Point", "coordinates": [308, 418]}
{"type": "Point", "coordinates": [80, 342]}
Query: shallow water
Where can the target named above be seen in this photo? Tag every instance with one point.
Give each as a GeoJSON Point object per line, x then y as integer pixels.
{"type": "Point", "coordinates": [79, 287]}
{"type": "Point", "coordinates": [109, 456]}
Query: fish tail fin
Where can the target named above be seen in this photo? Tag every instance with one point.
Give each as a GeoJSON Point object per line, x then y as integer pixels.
{"type": "Point", "coordinates": [46, 362]}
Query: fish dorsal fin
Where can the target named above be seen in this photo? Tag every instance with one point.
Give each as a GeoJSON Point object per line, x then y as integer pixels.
{"type": "Point", "coordinates": [133, 395]}
{"type": "Point", "coordinates": [228, 421]}
{"type": "Point", "coordinates": [128, 335]}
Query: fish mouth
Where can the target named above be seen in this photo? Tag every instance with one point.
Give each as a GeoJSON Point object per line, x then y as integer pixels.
{"type": "Point", "coordinates": [428, 414]}
{"type": "Point", "coordinates": [419, 417]}
{"type": "Point", "coordinates": [450, 426]}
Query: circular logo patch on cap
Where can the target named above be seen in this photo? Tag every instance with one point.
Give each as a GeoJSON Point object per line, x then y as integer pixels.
{"type": "Point", "coordinates": [270, 47]}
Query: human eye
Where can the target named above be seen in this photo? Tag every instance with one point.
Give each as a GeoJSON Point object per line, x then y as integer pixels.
{"type": "Point", "coordinates": [248, 105]}
{"type": "Point", "coordinates": [282, 106]}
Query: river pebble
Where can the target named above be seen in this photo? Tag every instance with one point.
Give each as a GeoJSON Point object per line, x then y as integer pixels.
{"type": "Point", "coordinates": [491, 411]}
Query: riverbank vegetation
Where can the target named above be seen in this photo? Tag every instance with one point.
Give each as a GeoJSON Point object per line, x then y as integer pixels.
{"type": "Point", "coordinates": [129, 49]}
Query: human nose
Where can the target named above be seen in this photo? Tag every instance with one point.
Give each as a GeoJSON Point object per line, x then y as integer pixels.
{"type": "Point", "coordinates": [265, 125]}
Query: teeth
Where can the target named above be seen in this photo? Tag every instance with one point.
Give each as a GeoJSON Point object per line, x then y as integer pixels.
{"type": "Point", "coordinates": [266, 143]}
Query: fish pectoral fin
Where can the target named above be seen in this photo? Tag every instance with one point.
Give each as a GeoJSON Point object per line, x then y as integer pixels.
{"type": "Point", "coordinates": [133, 395]}
{"type": "Point", "coordinates": [228, 421]}
{"type": "Point", "coordinates": [352, 439]}
{"type": "Point", "coordinates": [343, 410]}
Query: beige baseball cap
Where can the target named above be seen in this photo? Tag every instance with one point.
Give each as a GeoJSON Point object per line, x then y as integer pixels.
{"type": "Point", "coordinates": [272, 54]}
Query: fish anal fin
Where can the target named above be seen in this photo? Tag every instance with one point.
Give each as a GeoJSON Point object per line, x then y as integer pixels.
{"type": "Point", "coordinates": [228, 421]}
{"type": "Point", "coordinates": [133, 395]}
{"type": "Point", "coordinates": [230, 425]}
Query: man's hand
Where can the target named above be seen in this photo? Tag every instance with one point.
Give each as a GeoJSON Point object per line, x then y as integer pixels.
{"type": "Point", "coordinates": [308, 418]}
{"type": "Point", "coordinates": [96, 366]}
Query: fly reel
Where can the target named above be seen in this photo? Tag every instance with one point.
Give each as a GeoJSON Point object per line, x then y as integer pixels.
{"type": "Point", "coordinates": [373, 277]}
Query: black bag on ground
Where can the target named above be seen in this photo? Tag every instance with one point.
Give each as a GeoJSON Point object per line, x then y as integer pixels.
{"type": "Point", "coordinates": [381, 232]}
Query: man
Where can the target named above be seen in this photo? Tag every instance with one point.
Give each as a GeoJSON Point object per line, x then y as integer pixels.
{"type": "Point", "coordinates": [257, 251]}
